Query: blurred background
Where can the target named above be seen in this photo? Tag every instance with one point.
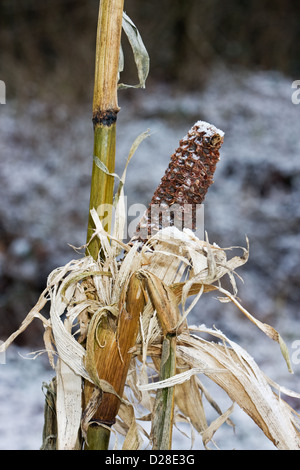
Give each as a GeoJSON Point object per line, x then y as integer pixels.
{"type": "Point", "coordinates": [229, 63]}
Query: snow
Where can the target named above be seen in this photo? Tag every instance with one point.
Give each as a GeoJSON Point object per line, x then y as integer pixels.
{"type": "Point", "coordinates": [22, 400]}
{"type": "Point", "coordinates": [44, 188]}
{"type": "Point", "coordinates": [208, 128]}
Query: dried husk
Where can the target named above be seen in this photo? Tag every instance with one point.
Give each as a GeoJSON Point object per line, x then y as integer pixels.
{"type": "Point", "coordinates": [245, 384]}
{"type": "Point", "coordinates": [226, 364]}
{"type": "Point", "coordinates": [173, 264]}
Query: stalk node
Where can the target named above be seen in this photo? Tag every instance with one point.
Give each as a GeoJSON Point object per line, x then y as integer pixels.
{"type": "Point", "coordinates": [105, 117]}
{"type": "Point", "coordinates": [106, 422]}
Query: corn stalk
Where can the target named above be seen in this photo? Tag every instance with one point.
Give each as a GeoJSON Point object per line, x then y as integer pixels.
{"type": "Point", "coordinates": [162, 425]}
{"type": "Point", "coordinates": [105, 109]}
{"type": "Point", "coordinates": [112, 361]}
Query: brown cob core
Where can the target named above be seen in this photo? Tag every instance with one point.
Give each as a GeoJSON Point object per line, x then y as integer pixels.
{"type": "Point", "coordinates": [185, 182]}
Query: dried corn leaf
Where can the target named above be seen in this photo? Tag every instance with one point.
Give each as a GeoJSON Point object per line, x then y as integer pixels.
{"type": "Point", "coordinates": [69, 350]}
{"type": "Point", "coordinates": [34, 313]}
{"type": "Point", "coordinates": [108, 338]}
{"type": "Point", "coordinates": [183, 265]}
{"type": "Point", "coordinates": [193, 406]}
{"type": "Point", "coordinates": [244, 383]}
{"type": "Point", "coordinates": [68, 407]}
{"type": "Point", "coordinates": [267, 329]}
{"type": "Point", "coordinates": [163, 300]}
{"type": "Point", "coordinates": [119, 199]}
{"type": "Point", "coordinates": [89, 411]}
{"type": "Point", "coordinates": [133, 439]}
{"type": "Point", "coordinates": [209, 432]}
{"type": "Point", "coordinates": [139, 51]}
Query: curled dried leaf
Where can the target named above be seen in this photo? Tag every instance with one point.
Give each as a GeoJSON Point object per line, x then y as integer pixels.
{"type": "Point", "coordinates": [164, 302]}
{"type": "Point", "coordinates": [139, 50]}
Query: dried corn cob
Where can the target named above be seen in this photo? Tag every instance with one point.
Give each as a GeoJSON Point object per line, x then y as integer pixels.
{"type": "Point", "coordinates": [185, 182]}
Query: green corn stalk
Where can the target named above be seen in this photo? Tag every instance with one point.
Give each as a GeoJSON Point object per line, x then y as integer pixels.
{"type": "Point", "coordinates": [109, 60]}
{"type": "Point", "coordinates": [164, 402]}
{"type": "Point", "coordinates": [105, 109]}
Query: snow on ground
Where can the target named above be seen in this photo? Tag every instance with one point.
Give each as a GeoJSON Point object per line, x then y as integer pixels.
{"type": "Point", "coordinates": [45, 172]}
{"type": "Point", "coordinates": [22, 400]}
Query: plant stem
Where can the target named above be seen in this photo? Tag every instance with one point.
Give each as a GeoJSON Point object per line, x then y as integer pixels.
{"type": "Point", "coordinates": [50, 423]}
{"type": "Point", "coordinates": [164, 401]}
{"type": "Point", "coordinates": [105, 109]}
{"type": "Point", "coordinates": [97, 437]}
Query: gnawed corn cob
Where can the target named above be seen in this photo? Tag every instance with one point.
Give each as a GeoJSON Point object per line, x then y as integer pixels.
{"type": "Point", "coordinates": [185, 182]}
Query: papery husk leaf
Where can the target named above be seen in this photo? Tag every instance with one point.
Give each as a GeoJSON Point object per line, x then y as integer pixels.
{"type": "Point", "coordinates": [140, 53]}
{"type": "Point", "coordinates": [69, 350]}
{"type": "Point", "coordinates": [34, 313]}
{"type": "Point", "coordinates": [89, 411]}
{"type": "Point", "coordinates": [163, 300]}
{"type": "Point", "coordinates": [174, 251]}
{"type": "Point", "coordinates": [166, 259]}
{"type": "Point", "coordinates": [68, 407]}
{"type": "Point", "coordinates": [198, 288]}
{"type": "Point", "coordinates": [103, 167]}
{"type": "Point", "coordinates": [139, 139]}
{"type": "Point", "coordinates": [133, 440]}
{"type": "Point", "coordinates": [105, 341]}
{"type": "Point", "coordinates": [211, 401]}
{"type": "Point", "coordinates": [209, 432]}
{"type": "Point", "coordinates": [267, 329]}
{"type": "Point", "coordinates": [193, 406]}
{"type": "Point", "coordinates": [179, 378]}
{"type": "Point", "coordinates": [49, 345]}
{"type": "Point", "coordinates": [244, 383]}
{"type": "Point", "coordinates": [119, 198]}
{"type": "Point", "coordinates": [81, 276]}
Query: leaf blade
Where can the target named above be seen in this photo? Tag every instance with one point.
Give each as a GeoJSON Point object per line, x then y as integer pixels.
{"type": "Point", "coordinates": [139, 50]}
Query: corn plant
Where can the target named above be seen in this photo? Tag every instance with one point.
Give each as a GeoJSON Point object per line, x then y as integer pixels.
{"type": "Point", "coordinates": [117, 335]}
